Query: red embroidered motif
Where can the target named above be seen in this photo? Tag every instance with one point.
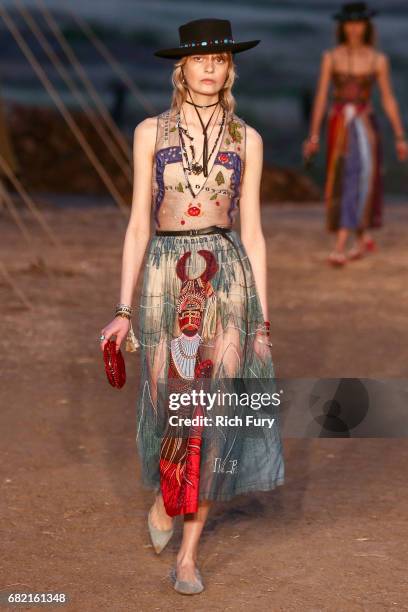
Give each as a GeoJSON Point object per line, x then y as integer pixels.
{"type": "Point", "coordinates": [180, 453]}
{"type": "Point", "coordinates": [223, 157]}
{"type": "Point", "coordinates": [193, 210]}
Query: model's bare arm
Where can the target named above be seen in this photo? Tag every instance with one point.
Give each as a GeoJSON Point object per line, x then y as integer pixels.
{"type": "Point", "coordinates": [250, 215]}
{"type": "Point", "coordinates": [390, 104]}
{"type": "Point", "coordinates": [319, 105]}
{"type": "Point", "coordinates": [138, 229]}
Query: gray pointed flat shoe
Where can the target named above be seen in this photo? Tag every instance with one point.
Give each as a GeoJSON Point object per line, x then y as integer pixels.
{"type": "Point", "coordinates": [159, 537]}
{"type": "Point", "coordinates": [187, 588]}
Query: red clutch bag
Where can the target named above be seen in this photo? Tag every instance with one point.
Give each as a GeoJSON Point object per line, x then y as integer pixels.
{"type": "Point", "coordinates": [114, 365]}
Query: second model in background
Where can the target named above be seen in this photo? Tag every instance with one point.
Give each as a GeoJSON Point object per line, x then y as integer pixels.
{"type": "Point", "coordinates": [353, 189]}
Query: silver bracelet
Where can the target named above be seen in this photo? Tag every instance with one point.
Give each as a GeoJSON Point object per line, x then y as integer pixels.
{"type": "Point", "coordinates": [123, 310]}
{"type": "Point", "coordinates": [123, 307]}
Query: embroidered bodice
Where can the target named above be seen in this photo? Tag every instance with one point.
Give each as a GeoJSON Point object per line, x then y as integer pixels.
{"type": "Point", "coordinates": [352, 87]}
{"type": "Point", "coordinates": [216, 197]}
{"type": "Point", "coordinates": [348, 86]}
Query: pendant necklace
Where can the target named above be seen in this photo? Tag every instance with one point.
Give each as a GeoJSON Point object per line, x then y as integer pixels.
{"type": "Point", "coordinates": [195, 166]}
{"type": "Point", "coordinates": [204, 169]}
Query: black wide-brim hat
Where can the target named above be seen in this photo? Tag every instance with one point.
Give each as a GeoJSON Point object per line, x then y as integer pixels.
{"type": "Point", "coordinates": [355, 11]}
{"type": "Point", "coordinates": [204, 36]}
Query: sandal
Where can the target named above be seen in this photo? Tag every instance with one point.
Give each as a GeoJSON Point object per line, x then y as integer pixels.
{"type": "Point", "coordinates": [370, 245]}
{"type": "Point", "coordinates": [355, 253]}
{"type": "Point", "coordinates": [336, 258]}
{"type": "Point", "coordinates": [159, 537]}
{"type": "Point", "coordinates": [184, 587]}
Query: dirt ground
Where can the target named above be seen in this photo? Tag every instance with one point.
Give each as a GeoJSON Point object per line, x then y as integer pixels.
{"type": "Point", "coordinates": [332, 538]}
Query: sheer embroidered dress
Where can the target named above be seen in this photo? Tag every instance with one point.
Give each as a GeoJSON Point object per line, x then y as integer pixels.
{"type": "Point", "coordinates": [199, 315]}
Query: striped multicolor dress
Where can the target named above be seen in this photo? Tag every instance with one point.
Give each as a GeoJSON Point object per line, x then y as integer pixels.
{"type": "Point", "coordinates": [198, 326]}
{"type": "Point", "coordinates": [353, 190]}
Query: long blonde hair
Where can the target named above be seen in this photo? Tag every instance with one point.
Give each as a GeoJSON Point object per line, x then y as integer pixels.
{"type": "Point", "coordinates": [227, 100]}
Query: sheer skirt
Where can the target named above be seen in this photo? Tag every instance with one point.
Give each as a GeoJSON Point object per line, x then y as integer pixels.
{"type": "Point", "coordinates": [200, 323]}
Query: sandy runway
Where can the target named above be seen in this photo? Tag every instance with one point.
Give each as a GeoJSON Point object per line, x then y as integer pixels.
{"type": "Point", "coordinates": [334, 537]}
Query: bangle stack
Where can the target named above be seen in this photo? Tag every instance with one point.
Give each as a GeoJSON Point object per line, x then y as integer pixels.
{"type": "Point", "coordinates": [124, 310]}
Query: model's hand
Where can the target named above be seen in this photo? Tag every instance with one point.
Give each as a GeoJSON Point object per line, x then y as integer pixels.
{"type": "Point", "coordinates": [401, 147]}
{"type": "Point", "coordinates": [310, 148]}
{"type": "Point", "coordinates": [118, 327]}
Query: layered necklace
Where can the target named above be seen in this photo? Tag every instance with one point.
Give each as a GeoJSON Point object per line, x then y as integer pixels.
{"type": "Point", "coordinates": [194, 166]}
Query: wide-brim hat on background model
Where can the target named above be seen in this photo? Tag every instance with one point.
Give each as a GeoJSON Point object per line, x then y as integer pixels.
{"type": "Point", "coordinates": [204, 36]}
{"type": "Point", "coordinates": [355, 11]}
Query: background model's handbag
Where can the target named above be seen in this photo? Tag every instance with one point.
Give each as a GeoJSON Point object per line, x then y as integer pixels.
{"type": "Point", "coordinates": [114, 365]}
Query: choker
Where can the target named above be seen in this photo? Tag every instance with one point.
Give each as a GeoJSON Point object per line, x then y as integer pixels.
{"type": "Point", "coordinates": [201, 106]}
